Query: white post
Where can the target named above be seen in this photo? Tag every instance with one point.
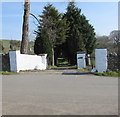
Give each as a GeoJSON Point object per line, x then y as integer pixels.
{"type": "Point", "coordinates": [81, 63]}
{"type": "Point", "coordinates": [89, 60]}
{"type": "Point", "coordinates": [44, 60]}
{"type": "Point", "coordinates": [101, 60]}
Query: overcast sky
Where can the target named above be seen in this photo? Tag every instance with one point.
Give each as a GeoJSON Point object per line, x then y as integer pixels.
{"type": "Point", "coordinates": [102, 15]}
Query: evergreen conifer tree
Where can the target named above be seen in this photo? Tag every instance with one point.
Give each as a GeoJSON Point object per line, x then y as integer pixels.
{"type": "Point", "coordinates": [81, 35]}
{"type": "Point", "coordinates": [74, 41]}
{"type": "Point", "coordinates": [51, 32]}
{"type": "Point", "coordinates": [88, 35]}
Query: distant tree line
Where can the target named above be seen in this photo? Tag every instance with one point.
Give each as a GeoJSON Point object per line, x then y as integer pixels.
{"type": "Point", "coordinates": [63, 35]}
{"type": "Point", "coordinates": [111, 42]}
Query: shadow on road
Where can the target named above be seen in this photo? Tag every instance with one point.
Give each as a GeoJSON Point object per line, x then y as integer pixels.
{"type": "Point", "coordinates": [69, 71]}
{"type": "Point", "coordinates": [76, 73]}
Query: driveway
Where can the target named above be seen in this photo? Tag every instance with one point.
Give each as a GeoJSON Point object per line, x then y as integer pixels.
{"type": "Point", "coordinates": [54, 93]}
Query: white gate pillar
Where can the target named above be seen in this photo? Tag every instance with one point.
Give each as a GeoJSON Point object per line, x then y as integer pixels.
{"type": "Point", "coordinates": [101, 60]}
{"type": "Point", "coordinates": [81, 62]}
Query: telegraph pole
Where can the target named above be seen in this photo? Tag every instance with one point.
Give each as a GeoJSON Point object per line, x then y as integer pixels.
{"type": "Point", "coordinates": [25, 28]}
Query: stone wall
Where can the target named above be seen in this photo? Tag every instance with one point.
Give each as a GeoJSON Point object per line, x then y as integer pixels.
{"type": "Point", "coordinates": [113, 63]}
{"type": "Point", "coordinates": [4, 62]}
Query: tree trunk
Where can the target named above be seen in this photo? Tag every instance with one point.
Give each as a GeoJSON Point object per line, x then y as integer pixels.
{"type": "Point", "coordinates": [53, 61]}
{"type": "Point", "coordinates": [55, 57]}
{"type": "Point", "coordinates": [25, 28]}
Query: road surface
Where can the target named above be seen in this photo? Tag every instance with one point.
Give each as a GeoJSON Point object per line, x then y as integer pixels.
{"type": "Point", "coordinates": [54, 93]}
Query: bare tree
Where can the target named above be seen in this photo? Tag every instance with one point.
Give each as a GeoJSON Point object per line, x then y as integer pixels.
{"type": "Point", "coordinates": [115, 36]}
{"type": "Point", "coordinates": [25, 28]}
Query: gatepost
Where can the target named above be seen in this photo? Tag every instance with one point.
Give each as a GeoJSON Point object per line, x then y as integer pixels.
{"type": "Point", "coordinates": [81, 63]}
{"type": "Point", "coordinates": [101, 60]}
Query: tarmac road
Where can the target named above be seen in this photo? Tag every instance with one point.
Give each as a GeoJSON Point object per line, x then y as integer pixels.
{"type": "Point", "coordinates": [53, 93]}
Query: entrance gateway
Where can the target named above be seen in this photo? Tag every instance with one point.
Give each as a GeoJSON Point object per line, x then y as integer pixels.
{"type": "Point", "coordinates": [101, 63]}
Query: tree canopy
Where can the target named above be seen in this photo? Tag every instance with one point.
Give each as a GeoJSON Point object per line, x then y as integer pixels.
{"type": "Point", "coordinates": [81, 36]}
{"type": "Point", "coordinates": [67, 34]}
{"type": "Point", "coordinates": [51, 32]}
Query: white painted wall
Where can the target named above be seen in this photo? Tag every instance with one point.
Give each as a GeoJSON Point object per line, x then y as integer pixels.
{"type": "Point", "coordinates": [26, 62]}
{"type": "Point", "coordinates": [101, 60]}
{"type": "Point", "coordinates": [81, 63]}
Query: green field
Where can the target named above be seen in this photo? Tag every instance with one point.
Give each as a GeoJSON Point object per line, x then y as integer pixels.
{"type": "Point", "coordinates": [6, 45]}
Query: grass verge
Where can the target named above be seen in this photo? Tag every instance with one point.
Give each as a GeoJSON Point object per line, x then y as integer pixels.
{"type": "Point", "coordinates": [7, 73]}
{"type": "Point", "coordinates": [84, 70]}
{"type": "Point", "coordinates": [53, 67]}
{"type": "Point", "coordinates": [110, 74]}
